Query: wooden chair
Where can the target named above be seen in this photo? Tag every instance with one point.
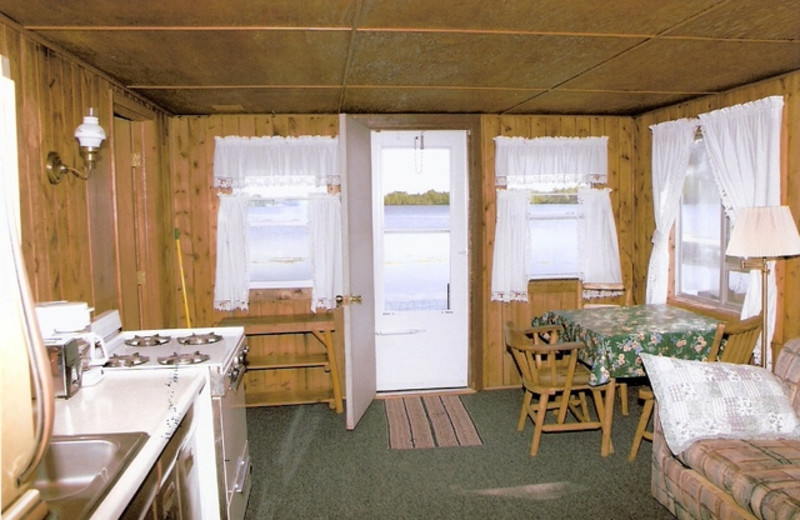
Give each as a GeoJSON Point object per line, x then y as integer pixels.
{"type": "Point", "coordinates": [608, 295]}
{"type": "Point", "coordinates": [738, 341]}
{"type": "Point", "coordinates": [550, 371]}
{"type": "Point", "coordinates": [733, 342]}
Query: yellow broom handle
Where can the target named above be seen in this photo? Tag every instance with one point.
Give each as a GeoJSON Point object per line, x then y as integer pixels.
{"type": "Point", "coordinates": [183, 279]}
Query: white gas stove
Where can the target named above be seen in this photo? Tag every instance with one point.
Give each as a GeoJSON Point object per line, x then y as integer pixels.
{"type": "Point", "coordinates": [223, 351]}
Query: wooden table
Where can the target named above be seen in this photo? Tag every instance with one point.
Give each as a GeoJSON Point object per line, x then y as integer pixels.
{"type": "Point", "coordinates": [321, 326]}
{"type": "Point", "coordinates": [614, 336]}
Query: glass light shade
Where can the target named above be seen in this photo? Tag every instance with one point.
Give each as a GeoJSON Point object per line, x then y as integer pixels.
{"type": "Point", "coordinates": [764, 232]}
{"type": "Point", "coordinates": [90, 134]}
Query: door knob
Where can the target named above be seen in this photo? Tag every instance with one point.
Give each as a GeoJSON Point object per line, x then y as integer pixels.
{"type": "Point", "coordinates": [347, 300]}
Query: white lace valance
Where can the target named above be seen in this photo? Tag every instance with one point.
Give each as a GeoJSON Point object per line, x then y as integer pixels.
{"type": "Point", "coordinates": [527, 163]}
{"type": "Point", "coordinates": [276, 161]}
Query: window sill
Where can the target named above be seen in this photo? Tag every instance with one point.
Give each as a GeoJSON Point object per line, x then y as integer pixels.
{"type": "Point", "coordinates": [705, 309]}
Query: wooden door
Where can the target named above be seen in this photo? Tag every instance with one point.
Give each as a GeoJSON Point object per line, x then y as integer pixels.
{"type": "Point", "coordinates": [359, 325]}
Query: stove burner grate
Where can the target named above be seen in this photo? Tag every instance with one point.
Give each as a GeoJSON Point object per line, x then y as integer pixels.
{"type": "Point", "coordinates": [127, 360]}
{"type": "Point", "coordinates": [183, 359]}
{"type": "Point", "coordinates": [199, 339]}
{"type": "Point", "coordinates": [147, 341]}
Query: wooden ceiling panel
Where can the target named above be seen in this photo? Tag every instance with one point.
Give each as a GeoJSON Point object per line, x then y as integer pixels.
{"type": "Point", "coordinates": [425, 100]}
{"type": "Point", "coordinates": [179, 13]}
{"type": "Point", "coordinates": [484, 60]}
{"type": "Point", "coordinates": [575, 16]}
{"type": "Point", "coordinates": [251, 101]}
{"type": "Point", "coordinates": [595, 103]}
{"type": "Point", "coordinates": [203, 58]}
{"type": "Point", "coordinates": [390, 56]}
{"type": "Point", "coordinates": [746, 19]}
{"type": "Point", "coordinates": [690, 66]}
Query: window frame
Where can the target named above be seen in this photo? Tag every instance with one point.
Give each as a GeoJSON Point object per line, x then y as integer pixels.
{"type": "Point", "coordinates": [726, 266]}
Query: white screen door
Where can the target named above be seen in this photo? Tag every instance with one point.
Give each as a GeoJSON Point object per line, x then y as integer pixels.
{"type": "Point", "coordinates": [419, 209]}
{"type": "Point", "coordinates": [359, 328]}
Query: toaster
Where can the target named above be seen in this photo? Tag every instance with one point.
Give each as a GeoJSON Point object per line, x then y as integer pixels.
{"type": "Point", "coordinates": [65, 366]}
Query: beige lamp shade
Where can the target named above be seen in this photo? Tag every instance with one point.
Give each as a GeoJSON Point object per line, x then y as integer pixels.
{"type": "Point", "coordinates": [764, 232]}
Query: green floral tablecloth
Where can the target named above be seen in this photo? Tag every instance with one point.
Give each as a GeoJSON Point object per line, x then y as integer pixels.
{"type": "Point", "coordinates": [614, 336]}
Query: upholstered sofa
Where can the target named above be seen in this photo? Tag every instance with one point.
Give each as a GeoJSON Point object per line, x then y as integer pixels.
{"type": "Point", "coordinates": [734, 478]}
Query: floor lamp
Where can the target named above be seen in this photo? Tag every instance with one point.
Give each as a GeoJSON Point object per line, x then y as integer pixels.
{"type": "Point", "coordinates": [761, 234]}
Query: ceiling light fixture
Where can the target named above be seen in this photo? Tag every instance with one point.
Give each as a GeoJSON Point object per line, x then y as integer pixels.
{"type": "Point", "coordinates": [90, 135]}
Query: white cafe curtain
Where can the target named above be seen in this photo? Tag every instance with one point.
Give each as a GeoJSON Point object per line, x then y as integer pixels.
{"type": "Point", "coordinates": [672, 145]}
{"type": "Point", "coordinates": [325, 235]}
{"type": "Point", "coordinates": [511, 247]}
{"type": "Point", "coordinates": [231, 280]}
{"type": "Point", "coordinates": [276, 161]}
{"type": "Point", "coordinates": [300, 164]}
{"type": "Point", "coordinates": [598, 246]}
{"type": "Point", "coordinates": [743, 144]}
{"type": "Point", "coordinates": [522, 165]}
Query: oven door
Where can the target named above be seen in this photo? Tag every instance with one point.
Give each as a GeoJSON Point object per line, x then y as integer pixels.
{"type": "Point", "coordinates": [236, 452]}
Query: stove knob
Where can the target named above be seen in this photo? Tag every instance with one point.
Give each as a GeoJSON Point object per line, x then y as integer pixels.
{"type": "Point", "coordinates": [234, 373]}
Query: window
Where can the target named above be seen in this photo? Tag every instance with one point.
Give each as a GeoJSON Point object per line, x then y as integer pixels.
{"type": "Point", "coordinates": [278, 242]}
{"type": "Point", "coordinates": [702, 271]}
{"type": "Point", "coordinates": [553, 223]}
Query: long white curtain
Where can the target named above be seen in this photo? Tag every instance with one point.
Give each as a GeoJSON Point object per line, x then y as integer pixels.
{"type": "Point", "coordinates": [597, 237]}
{"type": "Point", "coordinates": [231, 281]}
{"type": "Point", "coordinates": [325, 235]}
{"type": "Point", "coordinates": [743, 144]}
{"type": "Point", "coordinates": [511, 247]}
{"type": "Point", "coordinates": [672, 145]}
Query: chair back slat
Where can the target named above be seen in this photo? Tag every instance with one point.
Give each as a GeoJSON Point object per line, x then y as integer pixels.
{"type": "Point", "coordinates": [542, 360]}
{"type": "Point", "coordinates": [740, 340]}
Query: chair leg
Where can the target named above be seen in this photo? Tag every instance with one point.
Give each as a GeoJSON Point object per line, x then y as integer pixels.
{"type": "Point", "coordinates": [606, 446]}
{"type": "Point", "coordinates": [641, 428]}
{"type": "Point", "coordinates": [623, 397]}
{"type": "Point", "coordinates": [538, 423]}
{"type": "Point", "coordinates": [523, 414]}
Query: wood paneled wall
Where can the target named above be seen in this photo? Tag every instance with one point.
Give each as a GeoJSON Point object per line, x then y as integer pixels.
{"type": "Point", "coordinates": [788, 271]}
{"type": "Point", "coordinates": [498, 369]}
{"type": "Point", "coordinates": [71, 231]}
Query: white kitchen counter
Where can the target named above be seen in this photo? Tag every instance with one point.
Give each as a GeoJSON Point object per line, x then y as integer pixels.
{"type": "Point", "coordinates": [152, 401]}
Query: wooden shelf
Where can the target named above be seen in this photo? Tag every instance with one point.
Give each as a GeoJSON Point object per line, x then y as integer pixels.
{"type": "Point", "coordinates": [321, 326]}
{"type": "Point", "coordinates": [277, 361]}
{"type": "Point", "coordinates": [289, 398]}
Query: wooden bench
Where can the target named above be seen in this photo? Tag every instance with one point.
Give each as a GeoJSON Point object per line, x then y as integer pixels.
{"type": "Point", "coordinates": [321, 326]}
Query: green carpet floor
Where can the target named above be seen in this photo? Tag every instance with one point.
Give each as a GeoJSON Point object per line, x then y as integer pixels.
{"type": "Point", "coordinates": [307, 466]}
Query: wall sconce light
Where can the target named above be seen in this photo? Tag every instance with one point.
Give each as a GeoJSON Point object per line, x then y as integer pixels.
{"type": "Point", "coordinates": [90, 135]}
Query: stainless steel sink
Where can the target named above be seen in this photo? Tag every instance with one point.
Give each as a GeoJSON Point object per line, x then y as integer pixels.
{"type": "Point", "coordinates": [78, 470]}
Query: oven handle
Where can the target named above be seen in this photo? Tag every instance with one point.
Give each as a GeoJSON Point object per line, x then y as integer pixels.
{"type": "Point", "coordinates": [241, 475]}
{"type": "Point", "coordinates": [236, 375]}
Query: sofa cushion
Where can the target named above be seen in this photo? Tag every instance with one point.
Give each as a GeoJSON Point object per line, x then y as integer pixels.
{"type": "Point", "coordinates": [699, 400]}
{"type": "Point", "coordinates": [761, 476]}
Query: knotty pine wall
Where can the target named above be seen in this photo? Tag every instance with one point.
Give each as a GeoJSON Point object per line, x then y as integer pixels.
{"type": "Point", "coordinates": [787, 271]}
{"type": "Point", "coordinates": [77, 235]}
